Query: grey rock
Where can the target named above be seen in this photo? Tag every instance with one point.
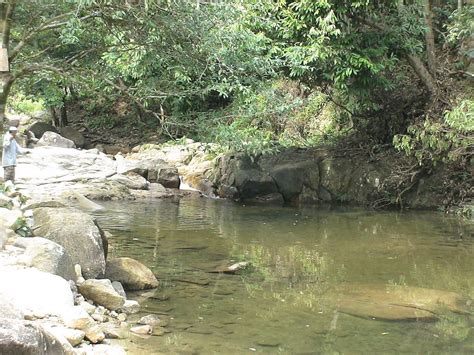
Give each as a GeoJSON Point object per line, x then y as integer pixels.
{"type": "Point", "coordinates": [78, 233]}
{"type": "Point", "coordinates": [27, 338]}
{"type": "Point", "coordinates": [130, 307]}
{"type": "Point", "coordinates": [132, 180]}
{"type": "Point", "coordinates": [51, 139]}
{"type": "Point", "coordinates": [47, 256]}
{"type": "Point", "coordinates": [119, 288]}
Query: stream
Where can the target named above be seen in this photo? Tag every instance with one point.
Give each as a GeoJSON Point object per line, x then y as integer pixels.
{"type": "Point", "coordinates": [296, 254]}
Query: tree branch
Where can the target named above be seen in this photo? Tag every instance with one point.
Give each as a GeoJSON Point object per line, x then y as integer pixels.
{"type": "Point", "coordinates": [49, 25]}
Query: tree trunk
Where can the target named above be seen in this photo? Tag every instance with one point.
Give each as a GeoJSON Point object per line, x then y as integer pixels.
{"type": "Point", "coordinates": [460, 4]}
{"type": "Point", "coordinates": [6, 81]}
{"type": "Point", "coordinates": [430, 37]}
{"type": "Point", "coordinates": [416, 63]}
{"type": "Point", "coordinates": [422, 72]}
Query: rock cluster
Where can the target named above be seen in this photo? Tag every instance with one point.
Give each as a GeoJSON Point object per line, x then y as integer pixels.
{"type": "Point", "coordinates": [52, 292]}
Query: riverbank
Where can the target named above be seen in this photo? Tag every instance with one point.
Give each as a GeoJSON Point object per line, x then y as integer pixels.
{"type": "Point", "coordinates": [52, 205]}
{"type": "Point", "coordinates": [60, 293]}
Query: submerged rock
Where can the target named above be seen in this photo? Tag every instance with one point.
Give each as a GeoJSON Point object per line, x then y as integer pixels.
{"type": "Point", "coordinates": [153, 320]}
{"type": "Point", "coordinates": [132, 274]}
{"type": "Point", "coordinates": [232, 269]}
{"type": "Point", "coordinates": [102, 293]}
{"type": "Point", "coordinates": [392, 302]}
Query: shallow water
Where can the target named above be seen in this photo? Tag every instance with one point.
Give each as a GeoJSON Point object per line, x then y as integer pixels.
{"type": "Point", "coordinates": [297, 256]}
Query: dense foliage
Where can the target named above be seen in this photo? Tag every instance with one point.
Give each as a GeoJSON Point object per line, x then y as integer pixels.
{"type": "Point", "coordinates": [255, 75]}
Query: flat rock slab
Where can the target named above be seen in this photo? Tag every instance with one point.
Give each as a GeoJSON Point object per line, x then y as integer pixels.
{"type": "Point", "coordinates": [396, 303]}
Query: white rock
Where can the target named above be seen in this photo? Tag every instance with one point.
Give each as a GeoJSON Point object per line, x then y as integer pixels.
{"type": "Point", "coordinates": [35, 292]}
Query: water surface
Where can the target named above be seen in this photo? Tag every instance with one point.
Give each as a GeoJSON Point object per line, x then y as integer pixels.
{"type": "Point", "coordinates": [297, 256]}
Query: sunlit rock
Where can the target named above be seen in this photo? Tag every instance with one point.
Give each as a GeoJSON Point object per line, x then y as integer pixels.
{"type": "Point", "coordinates": [132, 274]}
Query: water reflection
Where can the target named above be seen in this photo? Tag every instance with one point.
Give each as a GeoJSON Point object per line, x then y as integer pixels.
{"type": "Point", "coordinates": [298, 256]}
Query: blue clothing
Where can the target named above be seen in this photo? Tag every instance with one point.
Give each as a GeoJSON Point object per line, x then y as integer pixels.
{"type": "Point", "coordinates": [10, 150]}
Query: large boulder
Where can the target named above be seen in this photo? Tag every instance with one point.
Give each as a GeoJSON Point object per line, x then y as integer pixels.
{"type": "Point", "coordinates": [102, 293]}
{"type": "Point", "coordinates": [40, 128]}
{"type": "Point", "coordinates": [132, 274]}
{"type": "Point", "coordinates": [19, 337]}
{"type": "Point", "coordinates": [51, 139]}
{"type": "Point", "coordinates": [35, 292]}
{"type": "Point", "coordinates": [78, 233]}
{"type": "Point", "coordinates": [47, 256]}
{"type": "Point", "coordinates": [73, 135]}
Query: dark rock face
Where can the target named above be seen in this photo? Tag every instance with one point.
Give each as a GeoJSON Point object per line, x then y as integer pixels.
{"type": "Point", "coordinates": [39, 128]}
{"type": "Point", "coordinates": [299, 177]}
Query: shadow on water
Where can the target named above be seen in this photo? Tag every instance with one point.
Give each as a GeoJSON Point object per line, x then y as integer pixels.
{"type": "Point", "coordinates": [298, 256]}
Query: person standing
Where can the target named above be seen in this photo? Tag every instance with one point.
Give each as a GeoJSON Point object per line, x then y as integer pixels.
{"type": "Point", "coordinates": [11, 149]}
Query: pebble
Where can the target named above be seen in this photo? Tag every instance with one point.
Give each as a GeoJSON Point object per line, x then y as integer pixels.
{"type": "Point", "coordinates": [142, 330]}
